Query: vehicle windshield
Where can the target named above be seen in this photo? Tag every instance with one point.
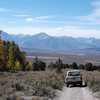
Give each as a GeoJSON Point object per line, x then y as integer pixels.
{"type": "Point", "coordinates": [73, 73]}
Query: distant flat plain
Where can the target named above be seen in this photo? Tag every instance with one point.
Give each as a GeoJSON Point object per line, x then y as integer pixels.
{"type": "Point", "coordinates": [67, 57]}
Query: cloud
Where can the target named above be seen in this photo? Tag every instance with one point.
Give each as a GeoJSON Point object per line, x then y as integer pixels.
{"type": "Point", "coordinates": [94, 16]}
{"type": "Point", "coordinates": [4, 10]}
{"type": "Point", "coordinates": [73, 31]}
{"type": "Point", "coordinates": [29, 19]}
{"type": "Point", "coordinates": [39, 19]}
{"type": "Point", "coordinates": [43, 17]}
{"type": "Point", "coordinates": [76, 31]}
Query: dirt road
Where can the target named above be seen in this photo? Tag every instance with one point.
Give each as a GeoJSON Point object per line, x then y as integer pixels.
{"type": "Point", "coordinates": [77, 93]}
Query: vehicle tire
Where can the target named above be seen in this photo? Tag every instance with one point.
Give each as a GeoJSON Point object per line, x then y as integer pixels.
{"type": "Point", "coordinates": [67, 84]}
{"type": "Point", "coordinates": [81, 83]}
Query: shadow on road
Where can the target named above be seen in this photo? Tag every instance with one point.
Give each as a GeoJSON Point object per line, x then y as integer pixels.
{"type": "Point", "coordinates": [81, 86]}
{"type": "Point", "coordinates": [72, 86]}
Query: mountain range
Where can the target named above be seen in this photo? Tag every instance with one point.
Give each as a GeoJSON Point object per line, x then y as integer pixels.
{"type": "Point", "coordinates": [42, 41]}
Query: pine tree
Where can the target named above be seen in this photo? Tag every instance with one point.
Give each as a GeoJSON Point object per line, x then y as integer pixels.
{"type": "Point", "coordinates": [59, 65]}
{"type": "Point", "coordinates": [11, 57]}
{"type": "Point", "coordinates": [74, 65]}
{"type": "Point", "coordinates": [2, 56]}
{"type": "Point", "coordinates": [1, 49]}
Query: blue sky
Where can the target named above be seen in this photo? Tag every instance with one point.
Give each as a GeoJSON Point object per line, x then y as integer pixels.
{"type": "Point", "coordinates": [76, 18]}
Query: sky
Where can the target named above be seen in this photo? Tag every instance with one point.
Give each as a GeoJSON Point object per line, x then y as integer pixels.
{"type": "Point", "coordinates": [75, 18]}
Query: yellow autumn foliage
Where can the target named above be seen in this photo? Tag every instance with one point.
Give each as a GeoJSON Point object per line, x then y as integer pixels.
{"type": "Point", "coordinates": [1, 49]}
{"type": "Point", "coordinates": [17, 64]}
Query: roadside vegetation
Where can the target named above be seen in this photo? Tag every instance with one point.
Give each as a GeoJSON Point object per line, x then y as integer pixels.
{"type": "Point", "coordinates": [20, 78]}
{"type": "Point", "coordinates": [11, 58]}
{"type": "Point", "coordinates": [93, 80]}
{"type": "Point", "coordinates": [29, 83]}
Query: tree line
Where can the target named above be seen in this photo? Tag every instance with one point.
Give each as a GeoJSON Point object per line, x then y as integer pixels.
{"type": "Point", "coordinates": [59, 65]}
{"type": "Point", "coordinates": [12, 59]}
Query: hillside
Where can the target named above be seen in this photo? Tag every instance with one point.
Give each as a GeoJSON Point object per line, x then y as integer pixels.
{"type": "Point", "coordinates": [42, 41]}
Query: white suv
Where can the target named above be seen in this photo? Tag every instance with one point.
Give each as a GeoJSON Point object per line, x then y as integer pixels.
{"type": "Point", "coordinates": [73, 77]}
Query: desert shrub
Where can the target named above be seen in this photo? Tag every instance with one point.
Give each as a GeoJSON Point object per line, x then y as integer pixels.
{"type": "Point", "coordinates": [66, 66]}
{"type": "Point", "coordinates": [92, 79]}
{"type": "Point", "coordinates": [94, 84]}
{"type": "Point", "coordinates": [52, 66]}
{"type": "Point", "coordinates": [74, 65]}
{"type": "Point", "coordinates": [94, 67]}
{"type": "Point", "coordinates": [19, 87]}
{"type": "Point", "coordinates": [38, 65]}
{"type": "Point", "coordinates": [81, 66]}
{"type": "Point", "coordinates": [59, 65]}
{"type": "Point", "coordinates": [98, 68]}
{"type": "Point", "coordinates": [16, 96]}
{"type": "Point", "coordinates": [89, 67]}
{"type": "Point", "coordinates": [38, 83]}
{"type": "Point", "coordinates": [56, 81]}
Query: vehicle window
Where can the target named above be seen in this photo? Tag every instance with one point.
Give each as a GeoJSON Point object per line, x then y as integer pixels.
{"type": "Point", "coordinates": [73, 73]}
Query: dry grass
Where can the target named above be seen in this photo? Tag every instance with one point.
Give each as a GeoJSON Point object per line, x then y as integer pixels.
{"type": "Point", "coordinates": [42, 84]}
{"type": "Point", "coordinates": [93, 79]}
